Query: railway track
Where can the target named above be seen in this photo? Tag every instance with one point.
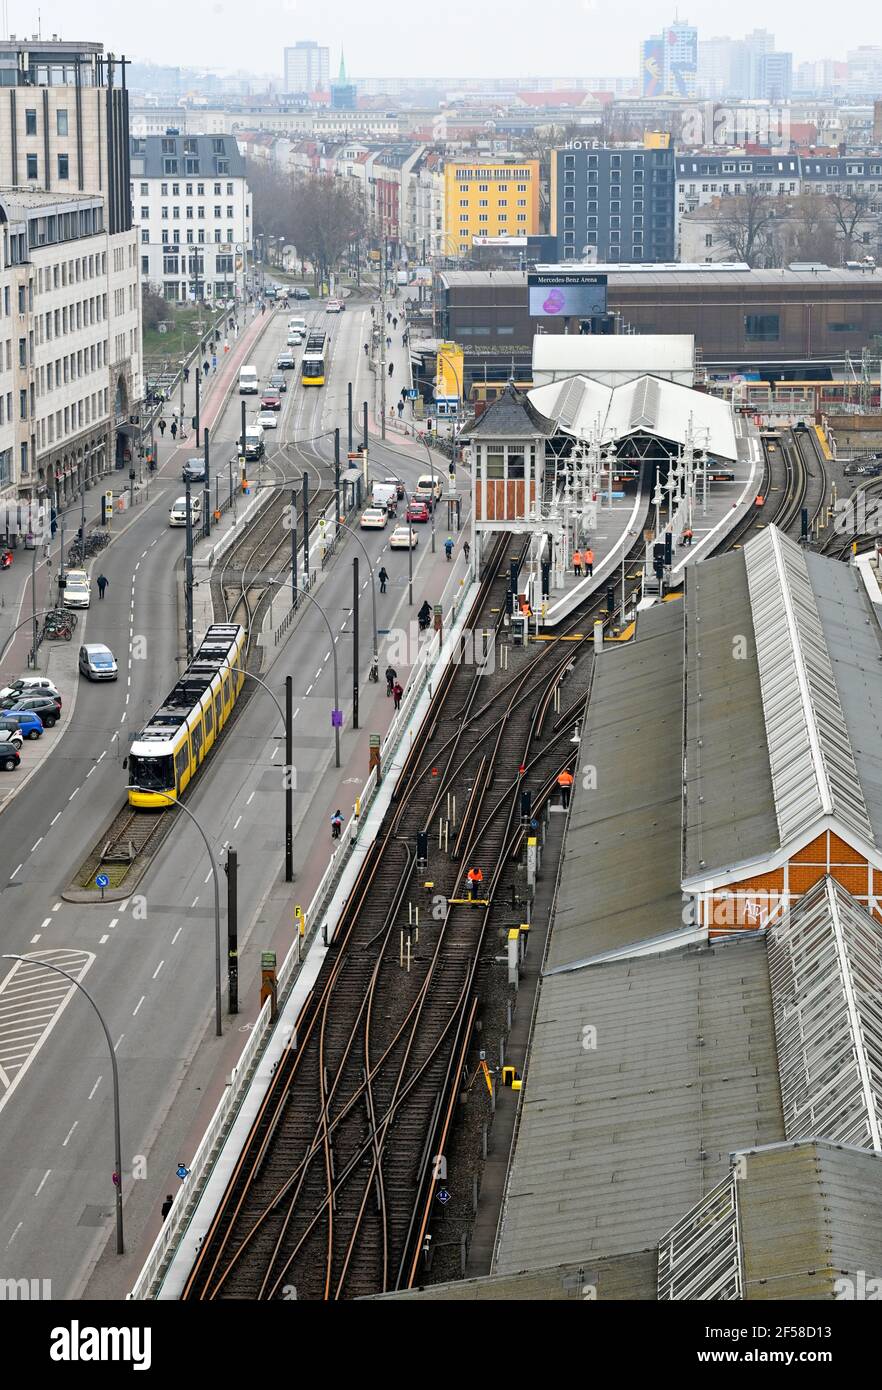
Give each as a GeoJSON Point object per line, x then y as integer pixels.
{"type": "Point", "coordinates": [334, 1189]}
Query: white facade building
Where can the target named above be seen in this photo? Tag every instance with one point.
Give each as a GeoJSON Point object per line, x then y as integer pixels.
{"type": "Point", "coordinates": [307, 67]}
{"type": "Point", "coordinates": [192, 207]}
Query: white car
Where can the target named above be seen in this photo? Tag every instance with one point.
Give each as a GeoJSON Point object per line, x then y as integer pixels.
{"type": "Point", "coordinates": [374, 519]}
{"type": "Point", "coordinates": [335, 306]}
{"type": "Point", "coordinates": [29, 685]}
{"type": "Point", "coordinates": [77, 592]}
{"type": "Point", "coordinates": [294, 339]}
{"type": "Point", "coordinates": [268, 420]}
{"type": "Point", "coordinates": [402, 537]}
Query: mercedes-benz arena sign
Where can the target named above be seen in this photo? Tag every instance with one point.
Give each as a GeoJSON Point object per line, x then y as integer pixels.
{"type": "Point", "coordinates": [566, 294]}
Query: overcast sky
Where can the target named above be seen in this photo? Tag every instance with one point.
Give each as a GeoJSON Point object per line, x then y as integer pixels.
{"type": "Point", "coordinates": [554, 38]}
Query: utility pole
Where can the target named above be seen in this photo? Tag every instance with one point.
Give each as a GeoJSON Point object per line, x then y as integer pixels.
{"type": "Point", "coordinates": [289, 779]}
{"type": "Point", "coordinates": [306, 531]}
{"type": "Point", "coordinates": [232, 871]}
{"type": "Point", "coordinates": [383, 336]}
{"type": "Point", "coordinates": [293, 548]}
{"type": "Point", "coordinates": [355, 642]}
{"type": "Point", "coordinates": [206, 490]}
{"type": "Point", "coordinates": [349, 402]}
{"type": "Point", "coordinates": [364, 424]}
{"type": "Point", "coordinates": [198, 380]}
{"type": "Point", "coordinates": [188, 576]}
{"type": "Point", "coordinates": [336, 480]}
{"type": "Point", "coordinates": [35, 646]}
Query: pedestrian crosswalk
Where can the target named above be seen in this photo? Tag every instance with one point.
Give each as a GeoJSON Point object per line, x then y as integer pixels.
{"type": "Point", "coordinates": [32, 999]}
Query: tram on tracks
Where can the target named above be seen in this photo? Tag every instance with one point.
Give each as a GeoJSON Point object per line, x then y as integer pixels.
{"type": "Point", "coordinates": [167, 753]}
{"type": "Point", "coordinates": [313, 363]}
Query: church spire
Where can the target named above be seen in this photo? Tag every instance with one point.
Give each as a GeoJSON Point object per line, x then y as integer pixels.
{"type": "Point", "coordinates": [342, 78]}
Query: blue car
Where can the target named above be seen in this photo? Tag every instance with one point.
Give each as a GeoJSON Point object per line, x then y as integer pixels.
{"type": "Point", "coordinates": [30, 724]}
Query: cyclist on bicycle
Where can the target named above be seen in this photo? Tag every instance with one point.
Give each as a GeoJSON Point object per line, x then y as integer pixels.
{"type": "Point", "coordinates": [391, 678]}
{"type": "Point", "coordinates": [448, 548]}
{"type": "Point", "coordinates": [336, 825]}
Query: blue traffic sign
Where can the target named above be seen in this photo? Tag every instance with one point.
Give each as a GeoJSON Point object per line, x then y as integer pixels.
{"type": "Point", "coordinates": [101, 881]}
{"type": "Point", "coordinates": [443, 1196]}
{"type": "Point", "coordinates": [412, 394]}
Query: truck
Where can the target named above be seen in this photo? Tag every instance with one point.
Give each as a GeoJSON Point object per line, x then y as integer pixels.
{"type": "Point", "coordinates": [403, 277]}
{"type": "Point", "coordinates": [248, 381]}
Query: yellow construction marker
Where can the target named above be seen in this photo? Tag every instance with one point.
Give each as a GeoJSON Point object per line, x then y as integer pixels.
{"type": "Point", "coordinates": [487, 1077]}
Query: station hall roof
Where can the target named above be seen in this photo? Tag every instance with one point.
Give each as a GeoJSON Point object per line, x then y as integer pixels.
{"type": "Point", "coordinates": [583, 407]}
{"type": "Point", "coordinates": [601, 356]}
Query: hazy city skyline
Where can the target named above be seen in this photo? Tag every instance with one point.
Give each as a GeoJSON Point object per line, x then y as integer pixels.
{"type": "Point", "coordinates": [571, 38]}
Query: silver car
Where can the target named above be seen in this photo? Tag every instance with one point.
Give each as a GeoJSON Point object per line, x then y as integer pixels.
{"type": "Point", "coordinates": [98, 663]}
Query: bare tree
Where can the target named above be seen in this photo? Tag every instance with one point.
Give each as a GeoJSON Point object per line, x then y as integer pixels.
{"type": "Point", "coordinates": [849, 210]}
{"type": "Point", "coordinates": [746, 226]}
{"type": "Point", "coordinates": [812, 234]}
{"type": "Point", "coordinates": [327, 220]}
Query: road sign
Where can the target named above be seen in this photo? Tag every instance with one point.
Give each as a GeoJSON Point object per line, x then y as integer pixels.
{"type": "Point", "coordinates": [298, 910]}
{"type": "Point", "coordinates": [412, 394]}
{"type": "Point", "coordinates": [443, 1196]}
{"type": "Point", "coordinates": [336, 719]}
{"type": "Point", "coordinates": [101, 881]}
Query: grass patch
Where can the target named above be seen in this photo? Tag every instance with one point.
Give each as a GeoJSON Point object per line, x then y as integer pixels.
{"type": "Point", "coordinates": [182, 332]}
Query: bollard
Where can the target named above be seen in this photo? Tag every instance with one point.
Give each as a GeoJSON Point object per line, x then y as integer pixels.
{"type": "Point", "coordinates": [513, 956]}
{"type": "Point", "coordinates": [598, 636]}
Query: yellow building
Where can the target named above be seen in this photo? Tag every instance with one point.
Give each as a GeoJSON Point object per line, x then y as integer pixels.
{"type": "Point", "coordinates": [656, 140]}
{"type": "Point", "coordinates": [489, 198]}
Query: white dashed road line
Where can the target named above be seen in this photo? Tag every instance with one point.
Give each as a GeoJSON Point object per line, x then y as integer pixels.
{"type": "Point", "coordinates": [94, 1088]}
{"type": "Point", "coordinates": [158, 968]}
{"type": "Point", "coordinates": [66, 1141]}
{"type": "Point", "coordinates": [42, 1181]}
{"type": "Point", "coordinates": [138, 1005]}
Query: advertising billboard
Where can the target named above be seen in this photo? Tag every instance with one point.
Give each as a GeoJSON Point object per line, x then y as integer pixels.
{"type": "Point", "coordinates": [449, 372]}
{"type": "Point", "coordinates": [653, 67]}
{"type": "Point", "coordinates": [566, 294]}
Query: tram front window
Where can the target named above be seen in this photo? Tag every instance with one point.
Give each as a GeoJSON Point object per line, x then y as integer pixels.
{"type": "Point", "coordinates": [152, 774]}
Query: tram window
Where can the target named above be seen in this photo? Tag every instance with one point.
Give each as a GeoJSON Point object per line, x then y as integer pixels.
{"type": "Point", "coordinates": [209, 719]}
{"type": "Point", "coordinates": [219, 706]}
{"type": "Point", "coordinates": [182, 761]}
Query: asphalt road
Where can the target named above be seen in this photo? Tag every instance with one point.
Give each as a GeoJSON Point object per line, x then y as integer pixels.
{"type": "Point", "coordinates": [149, 963]}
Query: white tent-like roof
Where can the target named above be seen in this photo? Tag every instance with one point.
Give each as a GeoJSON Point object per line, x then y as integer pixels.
{"type": "Point", "coordinates": [648, 405]}
{"type": "Point", "coordinates": [614, 359]}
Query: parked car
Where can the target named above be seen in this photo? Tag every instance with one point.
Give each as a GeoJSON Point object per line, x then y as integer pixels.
{"type": "Point", "coordinates": [26, 723]}
{"type": "Point", "coordinates": [278, 381]}
{"type": "Point", "coordinates": [299, 292]}
{"type": "Point", "coordinates": [10, 738]}
{"type": "Point", "coordinates": [77, 591]}
{"type": "Point", "coordinates": [403, 538]}
{"type": "Point", "coordinates": [417, 511]}
{"type": "Point", "coordinates": [97, 662]}
{"type": "Point", "coordinates": [268, 420]}
{"type": "Point", "coordinates": [271, 400]}
{"type": "Point", "coordinates": [48, 709]}
{"type": "Point", "coordinates": [10, 759]}
{"type": "Point", "coordinates": [286, 362]}
{"type": "Point", "coordinates": [193, 470]}
{"type": "Point", "coordinates": [374, 519]}
{"type": "Point", "coordinates": [30, 685]}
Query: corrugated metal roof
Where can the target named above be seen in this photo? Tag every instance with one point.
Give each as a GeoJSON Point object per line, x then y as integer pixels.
{"type": "Point", "coordinates": [621, 1277]}
{"type": "Point", "coordinates": [729, 807]}
{"type": "Point", "coordinates": [738, 280]}
{"type": "Point", "coordinates": [825, 963]}
{"type": "Point", "coordinates": [663, 353]}
{"type": "Point", "coordinates": [620, 879]}
{"type": "Point", "coordinates": [618, 1140]}
{"type": "Point", "coordinates": [812, 762]}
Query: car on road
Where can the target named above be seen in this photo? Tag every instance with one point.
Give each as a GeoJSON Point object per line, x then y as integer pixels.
{"type": "Point", "coordinates": [278, 381]}
{"type": "Point", "coordinates": [299, 292]}
{"type": "Point", "coordinates": [10, 738]}
{"type": "Point", "coordinates": [271, 400]}
{"type": "Point", "coordinates": [398, 485]}
{"type": "Point", "coordinates": [30, 685]}
{"type": "Point", "coordinates": [417, 511]}
{"type": "Point", "coordinates": [374, 519]}
{"type": "Point", "coordinates": [403, 538]}
{"type": "Point", "coordinates": [45, 706]}
{"type": "Point", "coordinates": [26, 723]}
{"type": "Point", "coordinates": [286, 361]}
{"type": "Point", "coordinates": [294, 338]}
{"type": "Point", "coordinates": [10, 759]}
{"type": "Point", "coordinates": [97, 662]}
{"type": "Point", "coordinates": [193, 470]}
{"type": "Point", "coordinates": [335, 306]}
{"type": "Point", "coordinates": [77, 591]}
{"type": "Point", "coordinates": [268, 420]}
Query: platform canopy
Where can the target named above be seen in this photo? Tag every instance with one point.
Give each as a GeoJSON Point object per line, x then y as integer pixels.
{"type": "Point", "coordinates": [583, 408]}
{"type": "Point", "coordinates": [614, 359]}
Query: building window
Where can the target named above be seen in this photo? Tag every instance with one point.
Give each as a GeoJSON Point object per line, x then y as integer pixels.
{"type": "Point", "coordinates": [61, 122]}
{"type": "Point", "coordinates": [32, 166]}
{"type": "Point", "coordinates": [708, 238]}
{"type": "Point", "coordinates": [145, 265]}
{"type": "Point", "coordinates": [761, 328]}
{"type": "Point", "coordinates": [145, 235]}
{"type": "Point", "coordinates": [63, 166]}
{"type": "Point", "coordinates": [30, 122]}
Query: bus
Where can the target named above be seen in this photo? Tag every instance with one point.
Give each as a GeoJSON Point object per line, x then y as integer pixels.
{"type": "Point", "coordinates": [312, 363]}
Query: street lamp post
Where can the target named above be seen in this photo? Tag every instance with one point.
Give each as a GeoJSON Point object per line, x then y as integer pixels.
{"type": "Point", "coordinates": [117, 1144]}
{"type": "Point", "coordinates": [173, 800]}
{"type": "Point", "coordinates": [304, 593]}
{"type": "Point", "coordinates": [287, 724]}
{"type": "Point", "coordinates": [356, 537]}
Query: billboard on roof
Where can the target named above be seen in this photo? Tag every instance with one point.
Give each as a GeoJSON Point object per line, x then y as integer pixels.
{"type": "Point", "coordinates": [566, 294]}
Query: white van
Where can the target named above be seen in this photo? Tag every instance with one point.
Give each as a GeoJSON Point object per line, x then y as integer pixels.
{"type": "Point", "coordinates": [253, 441]}
{"type": "Point", "coordinates": [177, 512]}
{"type": "Point", "coordinates": [383, 493]}
{"type": "Point", "coordinates": [248, 382]}
{"type": "Point", "coordinates": [297, 325]}
{"type": "Point", "coordinates": [429, 489]}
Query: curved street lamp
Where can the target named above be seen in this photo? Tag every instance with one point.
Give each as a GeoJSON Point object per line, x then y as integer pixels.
{"type": "Point", "coordinates": [44, 965]}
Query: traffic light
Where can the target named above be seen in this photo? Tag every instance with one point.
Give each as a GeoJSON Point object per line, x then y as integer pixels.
{"type": "Point", "coordinates": [546, 578]}
{"type": "Point", "coordinates": [53, 522]}
{"type": "Point", "coordinates": [658, 559]}
{"type": "Point", "coordinates": [422, 848]}
{"type": "Point", "coordinates": [669, 548]}
{"type": "Point", "coordinates": [610, 600]}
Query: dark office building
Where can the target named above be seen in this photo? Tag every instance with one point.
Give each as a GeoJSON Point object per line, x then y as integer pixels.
{"type": "Point", "coordinates": [617, 202]}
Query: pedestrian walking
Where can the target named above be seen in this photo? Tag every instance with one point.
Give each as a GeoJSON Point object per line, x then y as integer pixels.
{"type": "Point", "coordinates": [373, 311]}
{"type": "Point", "coordinates": [391, 678]}
{"type": "Point", "coordinates": [397, 692]}
{"type": "Point", "coordinates": [391, 368]}
{"type": "Point", "coordinates": [389, 316]}
{"type": "Point", "coordinates": [388, 342]}
{"type": "Point", "coordinates": [162, 427]}
{"type": "Point", "coordinates": [589, 562]}
{"type": "Point", "coordinates": [205, 367]}
{"type": "Point", "coordinates": [475, 878]}
{"type": "Point", "coordinates": [384, 579]}
{"type": "Point", "coordinates": [214, 366]}
{"type": "Point", "coordinates": [174, 429]}
{"type": "Point", "coordinates": [577, 562]}
{"type": "Point", "coordinates": [394, 322]}
{"type": "Point", "coordinates": [167, 1205]}
{"type": "Point", "coordinates": [336, 825]}
{"type": "Point", "coordinates": [186, 375]}
{"type": "Point", "coordinates": [400, 409]}
{"type": "Point", "coordinates": [102, 585]}
{"type": "Point", "coordinates": [466, 550]}
{"type": "Point", "coordinates": [565, 782]}
{"type": "Point", "coordinates": [687, 536]}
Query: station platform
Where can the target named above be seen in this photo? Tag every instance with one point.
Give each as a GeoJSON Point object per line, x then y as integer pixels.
{"type": "Point", "coordinates": [621, 526]}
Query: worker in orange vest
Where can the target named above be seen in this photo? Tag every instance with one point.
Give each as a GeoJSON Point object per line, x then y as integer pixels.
{"type": "Point", "coordinates": [475, 879]}
{"type": "Point", "coordinates": [565, 782]}
{"type": "Point", "coordinates": [577, 562]}
{"type": "Point", "coordinates": [589, 562]}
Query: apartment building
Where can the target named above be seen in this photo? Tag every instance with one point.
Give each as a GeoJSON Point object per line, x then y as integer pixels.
{"type": "Point", "coordinates": [192, 206]}
{"type": "Point", "coordinates": [618, 203]}
{"type": "Point", "coordinates": [495, 197]}
{"type": "Point", "coordinates": [70, 302]}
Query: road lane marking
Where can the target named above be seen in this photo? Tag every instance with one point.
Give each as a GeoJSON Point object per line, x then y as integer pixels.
{"type": "Point", "coordinates": [308, 693]}
{"type": "Point", "coordinates": [104, 938]}
{"type": "Point", "coordinates": [32, 1000]}
{"type": "Point", "coordinates": [138, 1005]}
{"type": "Point", "coordinates": [42, 1180]}
{"type": "Point", "coordinates": [118, 1041]}
{"type": "Point", "coordinates": [112, 923]}
{"type": "Point", "coordinates": [89, 773]}
{"type": "Point", "coordinates": [103, 755]}
{"type": "Point", "coordinates": [14, 1234]}
{"type": "Point", "coordinates": [15, 871]}
{"type": "Point", "coordinates": [53, 820]}
{"type": "Point", "coordinates": [39, 842]}
{"type": "Point", "coordinates": [73, 794]}
{"type": "Point", "coordinates": [236, 826]}
{"type": "Point", "coordinates": [158, 968]}
{"type": "Point", "coordinates": [56, 907]}
{"type": "Point", "coordinates": [69, 1133]}
{"type": "Point", "coordinates": [45, 923]}
{"type": "Point", "coordinates": [35, 939]}
{"type": "Point", "coordinates": [247, 803]}
{"type": "Point", "coordinates": [176, 935]}
{"type": "Point", "coordinates": [94, 1088]}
